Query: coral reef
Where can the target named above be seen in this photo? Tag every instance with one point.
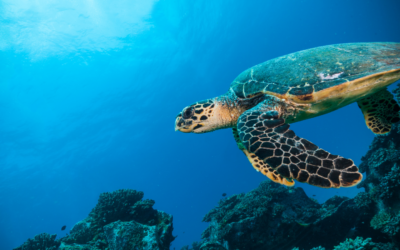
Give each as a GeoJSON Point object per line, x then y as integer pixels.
{"type": "Point", "coordinates": [112, 207]}
{"type": "Point", "coordinates": [117, 232]}
{"type": "Point", "coordinates": [358, 244]}
{"type": "Point", "coordinates": [276, 217]}
{"type": "Point", "coordinates": [380, 220]}
{"type": "Point", "coordinates": [387, 223]}
{"type": "Point", "coordinates": [363, 244]}
{"type": "Point", "coordinates": [195, 246]}
{"type": "Point", "coordinates": [120, 220]}
{"type": "Point", "coordinates": [382, 185]}
{"type": "Point", "coordinates": [42, 241]}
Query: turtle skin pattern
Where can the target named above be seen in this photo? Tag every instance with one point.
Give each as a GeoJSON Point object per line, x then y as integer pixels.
{"type": "Point", "coordinates": [380, 111]}
{"type": "Point", "coordinates": [260, 165]}
{"type": "Point", "coordinates": [269, 138]}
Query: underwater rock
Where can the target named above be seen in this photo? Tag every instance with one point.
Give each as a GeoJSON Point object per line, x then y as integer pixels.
{"type": "Point", "coordinates": [127, 235]}
{"type": "Point", "coordinates": [358, 244]}
{"type": "Point", "coordinates": [382, 184]}
{"type": "Point", "coordinates": [195, 246]}
{"type": "Point", "coordinates": [143, 212]}
{"type": "Point", "coordinates": [42, 241]}
{"type": "Point", "coordinates": [212, 246]}
{"type": "Point", "coordinates": [112, 207]}
{"type": "Point", "coordinates": [364, 244]}
{"type": "Point", "coordinates": [120, 220]}
{"type": "Point", "coordinates": [274, 217]}
{"type": "Point", "coordinates": [133, 235]}
{"type": "Point", "coordinates": [80, 233]}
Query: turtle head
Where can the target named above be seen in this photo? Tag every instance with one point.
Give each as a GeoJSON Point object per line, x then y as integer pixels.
{"type": "Point", "coordinates": [204, 116]}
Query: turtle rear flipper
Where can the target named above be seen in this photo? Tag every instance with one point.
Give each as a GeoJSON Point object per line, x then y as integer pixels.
{"type": "Point", "coordinates": [260, 165]}
{"type": "Point", "coordinates": [380, 110]}
{"type": "Point", "coordinates": [267, 136]}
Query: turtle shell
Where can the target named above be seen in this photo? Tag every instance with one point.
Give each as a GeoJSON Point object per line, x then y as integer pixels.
{"type": "Point", "coordinates": [306, 72]}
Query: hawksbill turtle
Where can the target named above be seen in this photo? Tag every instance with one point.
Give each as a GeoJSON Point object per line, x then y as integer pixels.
{"type": "Point", "coordinates": [263, 100]}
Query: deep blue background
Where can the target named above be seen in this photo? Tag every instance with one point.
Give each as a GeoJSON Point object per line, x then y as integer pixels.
{"type": "Point", "coordinates": [89, 93]}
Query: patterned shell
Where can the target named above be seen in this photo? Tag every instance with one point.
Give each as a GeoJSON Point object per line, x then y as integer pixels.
{"type": "Point", "coordinates": [312, 70]}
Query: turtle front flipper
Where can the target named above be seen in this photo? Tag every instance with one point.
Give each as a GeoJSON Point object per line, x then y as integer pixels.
{"type": "Point", "coordinates": [260, 165]}
{"type": "Point", "coordinates": [263, 133]}
{"type": "Point", "coordinates": [380, 111]}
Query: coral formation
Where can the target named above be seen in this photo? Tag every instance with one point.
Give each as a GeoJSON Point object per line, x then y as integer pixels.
{"type": "Point", "coordinates": [387, 223]}
{"type": "Point", "coordinates": [118, 232]}
{"type": "Point", "coordinates": [318, 248]}
{"type": "Point", "coordinates": [363, 244]}
{"type": "Point", "coordinates": [112, 207]}
{"type": "Point", "coordinates": [120, 220]}
{"type": "Point", "coordinates": [380, 220]}
{"type": "Point", "coordinates": [358, 244]}
{"type": "Point", "coordinates": [195, 246]}
{"type": "Point", "coordinates": [42, 241]}
{"type": "Point", "coordinates": [382, 185]}
{"type": "Point", "coordinates": [275, 217]}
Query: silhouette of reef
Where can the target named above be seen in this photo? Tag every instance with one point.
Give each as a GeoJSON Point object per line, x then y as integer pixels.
{"type": "Point", "coordinates": [275, 217]}
{"type": "Point", "coordinates": [42, 241]}
{"type": "Point", "coordinates": [121, 220]}
{"type": "Point", "coordinates": [382, 184]}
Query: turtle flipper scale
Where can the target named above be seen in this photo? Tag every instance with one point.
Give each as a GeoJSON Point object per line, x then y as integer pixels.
{"type": "Point", "coordinates": [266, 135]}
{"type": "Point", "coordinates": [380, 111]}
{"type": "Point", "coordinates": [261, 166]}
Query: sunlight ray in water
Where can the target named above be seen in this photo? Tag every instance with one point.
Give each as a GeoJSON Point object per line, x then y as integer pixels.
{"type": "Point", "coordinates": [44, 28]}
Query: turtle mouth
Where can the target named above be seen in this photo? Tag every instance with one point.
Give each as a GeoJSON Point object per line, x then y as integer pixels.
{"type": "Point", "coordinates": [195, 118]}
{"type": "Point", "coordinates": [183, 125]}
{"type": "Point", "coordinates": [187, 125]}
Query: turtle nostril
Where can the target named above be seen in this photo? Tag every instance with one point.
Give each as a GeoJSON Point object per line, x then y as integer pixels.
{"type": "Point", "coordinates": [187, 113]}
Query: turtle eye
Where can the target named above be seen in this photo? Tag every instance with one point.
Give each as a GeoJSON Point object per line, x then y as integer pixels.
{"type": "Point", "coordinates": [187, 113]}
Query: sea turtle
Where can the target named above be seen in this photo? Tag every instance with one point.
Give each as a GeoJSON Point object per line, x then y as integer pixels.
{"type": "Point", "coordinates": [263, 100]}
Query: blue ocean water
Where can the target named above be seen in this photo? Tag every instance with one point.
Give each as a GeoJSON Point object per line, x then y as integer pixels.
{"type": "Point", "coordinates": [89, 92]}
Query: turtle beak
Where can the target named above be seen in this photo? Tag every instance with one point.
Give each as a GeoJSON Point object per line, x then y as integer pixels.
{"type": "Point", "coordinates": [178, 121]}
{"type": "Point", "coordinates": [181, 125]}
